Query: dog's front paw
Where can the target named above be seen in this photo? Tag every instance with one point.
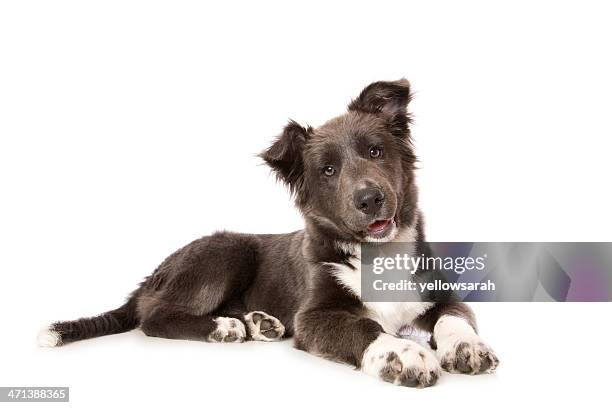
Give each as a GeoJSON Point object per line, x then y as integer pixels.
{"type": "Point", "coordinates": [463, 351]}
{"type": "Point", "coordinates": [467, 356]}
{"type": "Point", "coordinates": [401, 362]}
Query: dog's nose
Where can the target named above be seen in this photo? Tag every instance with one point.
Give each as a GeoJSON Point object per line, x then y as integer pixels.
{"type": "Point", "coordinates": [368, 200]}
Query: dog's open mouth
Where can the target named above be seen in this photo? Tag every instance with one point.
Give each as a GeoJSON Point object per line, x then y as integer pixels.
{"type": "Point", "coordinates": [380, 228]}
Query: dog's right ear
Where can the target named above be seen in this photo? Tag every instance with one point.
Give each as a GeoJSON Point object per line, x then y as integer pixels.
{"type": "Point", "coordinates": [285, 155]}
{"type": "Point", "coordinates": [389, 99]}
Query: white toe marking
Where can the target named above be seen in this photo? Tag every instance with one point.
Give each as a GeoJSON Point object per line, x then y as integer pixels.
{"type": "Point", "coordinates": [47, 337]}
{"type": "Point", "coordinates": [254, 328]}
{"type": "Point", "coordinates": [227, 326]}
{"type": "Point", "coordinates": [412, 358]}
{"type": "Point", "coordinates": [449, 332]}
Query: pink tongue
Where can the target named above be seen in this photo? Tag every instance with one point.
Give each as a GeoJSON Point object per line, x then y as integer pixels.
{"type": "Point", "coordinates": [378, 226]}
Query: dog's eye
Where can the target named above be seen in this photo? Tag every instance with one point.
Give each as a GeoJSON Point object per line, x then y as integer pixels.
{"type": "Point", "coordinates": [375, 152]}
{"type": "Point", "coordinates": [329, 171]}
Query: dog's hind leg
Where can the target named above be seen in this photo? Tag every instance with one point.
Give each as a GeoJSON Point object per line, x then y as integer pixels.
{"type": "Point", "coordinates": [188, 296]}
{"type": "Point", "coordinates": [180, 325]}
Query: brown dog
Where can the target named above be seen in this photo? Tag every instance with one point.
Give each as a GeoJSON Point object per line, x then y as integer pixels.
{"type": "Point", "coordinates": [353, 180]}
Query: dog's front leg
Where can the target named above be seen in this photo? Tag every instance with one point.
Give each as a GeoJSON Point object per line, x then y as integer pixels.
{"type": "Point", "coordinates": [458, 345]}
{"type": "Point", "coordinates": [347, 337]}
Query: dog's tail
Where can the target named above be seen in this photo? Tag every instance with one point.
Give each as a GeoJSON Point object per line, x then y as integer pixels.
{"type": "Point", "coordinates": [116, 321]}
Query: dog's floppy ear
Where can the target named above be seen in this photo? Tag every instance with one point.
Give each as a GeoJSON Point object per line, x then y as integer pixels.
{"type": "Point", "coordinates": [389, 99]}
{"type": "Point", "coordinates": [285, 155]}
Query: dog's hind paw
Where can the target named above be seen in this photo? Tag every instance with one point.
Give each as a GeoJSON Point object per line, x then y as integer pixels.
{"type": "Point", "coordinates": [229, 330]}
{"type": "Point", "coordinates": [264, 327]}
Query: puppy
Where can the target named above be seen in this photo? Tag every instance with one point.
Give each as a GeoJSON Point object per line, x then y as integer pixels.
{"type": "Point", "coordinates": [353, 181]}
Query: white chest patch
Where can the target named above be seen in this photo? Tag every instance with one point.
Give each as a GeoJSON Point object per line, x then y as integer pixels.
{"type": "Point", "coordinates": [392, 316]}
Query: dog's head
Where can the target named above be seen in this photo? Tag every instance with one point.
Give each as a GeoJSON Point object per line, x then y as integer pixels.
{"type": "Point", "coordinates": [353, 176]}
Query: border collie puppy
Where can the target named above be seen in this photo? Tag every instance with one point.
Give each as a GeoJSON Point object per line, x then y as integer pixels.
{"type": "Point", "coordinates": [353, 181]}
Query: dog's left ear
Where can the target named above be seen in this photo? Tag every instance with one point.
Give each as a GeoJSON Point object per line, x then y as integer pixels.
{"type": "Point", "coordinates": [285, 155]}
{"type": "Point", "coordinates": [388, 99]}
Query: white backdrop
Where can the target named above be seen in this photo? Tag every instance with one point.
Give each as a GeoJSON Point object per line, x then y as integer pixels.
{"type": "Point", "coordinates": [130, 128]}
